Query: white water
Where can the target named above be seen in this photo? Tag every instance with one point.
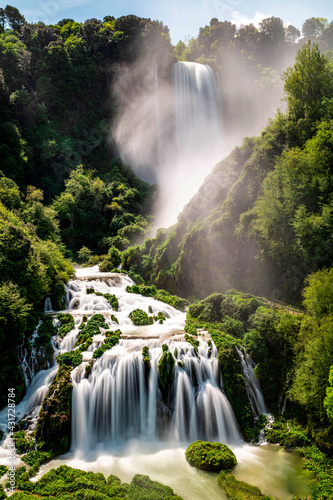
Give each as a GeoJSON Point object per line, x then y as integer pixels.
{"type": "Point", "coordinates": [122, 424]}
{"type": "Point", "coordinates": [199, 138]}
{"type": "Point", "coordinates": [120, 400]}
{"type": "Point", "coordinates": [252, 385]}
{"type": "Point", "coordinates": [197, 108]}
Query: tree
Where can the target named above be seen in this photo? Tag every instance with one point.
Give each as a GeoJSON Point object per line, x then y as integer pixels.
{"type": "Point", "coordinates": [328, 401]}
{"type": "Point", "coordinates": [292, 33]}
{"type": "Point", "coordinates": [314, 27]}
{"type": "Point", "coordinates": [14, 18]}
{"type": "Point", "coordinates": [272, 28]}
{"type": "Point", "coordinates": [318, 294]}
{"type": "Point", "coordinates": [308, 82]}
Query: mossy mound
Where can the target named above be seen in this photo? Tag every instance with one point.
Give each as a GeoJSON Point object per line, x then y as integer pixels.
{"type": "Point", "coordinates": [213, 457]}
{"type": "Point", "coordinates": [238, 490]}
{"type": "Point", "coordinates": [66, 482]}
{"type": "Point", "coordinates": [140, 318]}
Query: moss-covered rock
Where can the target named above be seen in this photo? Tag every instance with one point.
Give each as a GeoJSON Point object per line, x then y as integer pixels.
{"type": "Point", "coordinates": [238, 490]}
{"type": "Point", "coordinates": [165, 369]}
{"type": "Point", "coordinates": [113, 301]}
{"type": "Point", "coordinates": [140, 318]}
{"type": "Point", "coordinates": [158, 294]}
{"type": "Point", "coordinates": [67, 323]}
{"type": "Point", "coordinates": [53, 429]}
{"type": "Point", "coordinates": [210, 456]}
{"type": "Point", "coordinates": [145, 355]}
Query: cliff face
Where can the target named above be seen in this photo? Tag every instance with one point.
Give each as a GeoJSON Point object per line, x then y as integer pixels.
{"type": "Point", "coordinates": [261, 222]}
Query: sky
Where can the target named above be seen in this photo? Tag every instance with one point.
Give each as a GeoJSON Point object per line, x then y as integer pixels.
{"type": "Point", "coordinates": [183, 17]}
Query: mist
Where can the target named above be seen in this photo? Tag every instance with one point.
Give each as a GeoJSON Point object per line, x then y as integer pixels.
{"type": "Point", "coordinates": [175, 124]}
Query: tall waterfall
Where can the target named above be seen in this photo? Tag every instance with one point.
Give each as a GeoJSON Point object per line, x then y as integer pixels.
{"type": "Point", "coordinates": [197, 108]}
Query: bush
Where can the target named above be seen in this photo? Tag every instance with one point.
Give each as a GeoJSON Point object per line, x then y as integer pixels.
{"type": "Point", "coordinates": [210, 456]}
{"type": "Point", "coordinates": [140, 318]}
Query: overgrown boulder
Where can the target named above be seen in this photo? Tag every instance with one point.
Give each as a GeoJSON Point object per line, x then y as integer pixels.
{"type": "Point", "coordinates": [213, 457]}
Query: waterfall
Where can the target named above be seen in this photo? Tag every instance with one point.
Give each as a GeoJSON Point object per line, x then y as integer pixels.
{"type": "Point", "coordinates": [197, 108]}
{"type": "Point", "coordinates": [48, 305]}
{"type": "Point", "coordinates": [252, 385]}
{"type": "Point", "coordinates": [120, 400]}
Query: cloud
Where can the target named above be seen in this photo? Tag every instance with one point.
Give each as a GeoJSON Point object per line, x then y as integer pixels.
{"type": "Point", "coordinates": [238, 19]}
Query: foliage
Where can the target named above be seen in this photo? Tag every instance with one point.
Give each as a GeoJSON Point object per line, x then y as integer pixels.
{"type": "Point", "coordinates": [238, 490]}
{"type": "Point", "coordinates": [54, 422]}
{"type": "Point", "coordinates": [67, 323]}
{"type": "Point", "coordinates": [71, 358]}
{"type": "Point", "coordinates": [162, 295]}
{"type": "Point", "coordinates": [90, 328]}
{"type": "Point", "coordinates": [165, 369]}
{"type": "Point", "coordinates": [23, 444]}
{"type": "Point", "coordinates": [328, 401]}
{"type": "Point", "coordinates": [210, 456]}
{"type": "Point", "coordinates": [145, 356]}
{"type": "Point", "coordinates": [66, 482]}
{"type": "Point", "coordinates": [108, 343]}
{"type": "Point", "coordinates": [140, 317]}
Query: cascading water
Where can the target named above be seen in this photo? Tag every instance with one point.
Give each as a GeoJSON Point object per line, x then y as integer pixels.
{"type": "Point", "coordinates": [197, 108]}
{"type": "Point", "coordinates": [252, 385]}
{"type": "Point", "coordinates": [121, 399]}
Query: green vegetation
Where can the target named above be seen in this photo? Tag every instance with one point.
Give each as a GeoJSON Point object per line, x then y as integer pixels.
{"type": "Point", "coordinates": [238, 490]}
{"type": "Point", "coordinates": [140, 318]}
{"type": "Point", "coordinates": [162, 295]}
{"type": "Point", "coordinates": [165, 369]}
{"type": "Point", "coordinates": [210, 456]}
{"type": "Point", "coordinates": [108, 343]}
{"type": "Point", "coordinates": [113, 301]}
{"type": "Point", "coordinates": [145, 356]}
{"type": "Point", "coordinates": [90, 328]}
{"type": "Point", "coordinates": [53, 429]}
{"type": "Point", "coordinates": [66, 482]}
{"type": "Point", "coordinates": [67, 323]}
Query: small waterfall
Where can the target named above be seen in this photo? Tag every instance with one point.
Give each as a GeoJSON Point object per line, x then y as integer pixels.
{"type": "Point", "coordinates": [48, 305]}
{"type": "Point", "coordinates": [252, 385]}
{"type": "Point", "coordinates": [197, 108]}
{"type": "Point", "coordinates": [121, 401]}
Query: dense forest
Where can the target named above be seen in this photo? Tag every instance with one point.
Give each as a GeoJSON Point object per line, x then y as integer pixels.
{"type": "Point", "coordinates": [260, 224]}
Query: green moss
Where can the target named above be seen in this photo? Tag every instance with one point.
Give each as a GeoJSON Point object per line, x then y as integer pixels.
{"type": "Point", "coordinates": [113, 301]}
{"type": "Point", "coordinates": [158, 294]}
{"type": "Point", "coordinates": [54, 422]}
{"type": "Point", "coordinates": [165, 369]}
{"type": "Point", "coordinates": [114, 319]}
{"type": "Point", "coordinates": [140, 318]}
{"type": "Point", "coordinates": [191, 340]}
{"type": "Point", "coordinates": [23, 442]}
{"type": "Point", "coordinates": [88, 368]}
{"type": "Point", "coordinates": [91, 328]}
{"type": "Point", "coordinates": [238, 490]}
{"type": "Point", "coordinates": [66, 483]}
{"type": "Point", "coordinates": [109, 342]}
{"type": "Point", "coordinates": [210, 456]}
{"type": "Point", "coordinates": [145, 355]}
{"type": "Point", "coordinates": [90, 290]}
{"type": "Point", "coordinates": [67, 323]}
{"type": "Point", "coordinates": [71, 358]}
{"type": "Point", "coordinates": [3, 470]}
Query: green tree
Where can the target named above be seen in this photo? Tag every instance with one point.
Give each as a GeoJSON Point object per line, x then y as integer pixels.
{"type": "Point", "coordinates": [318, 293]}
{"type": "Point", "coordinates": [14, 18]}
{"type": "Point", "coordinates": [313, 27]}
{"type": "Point", "coordinates": [308, 82]}
{"type": "Point", "coordinates": [328, 401]}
